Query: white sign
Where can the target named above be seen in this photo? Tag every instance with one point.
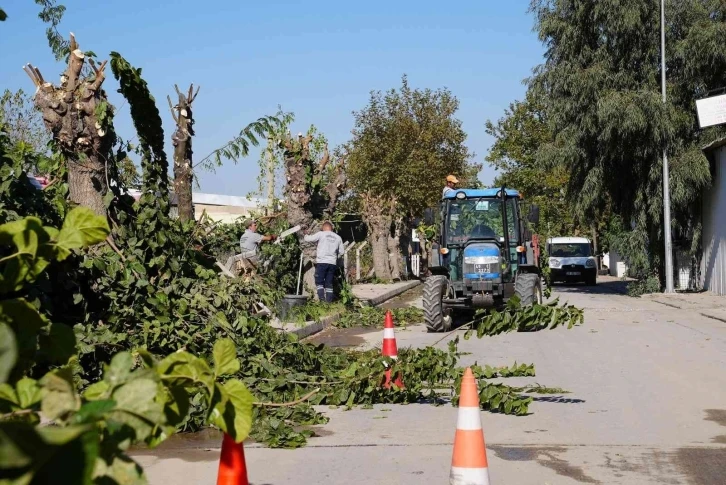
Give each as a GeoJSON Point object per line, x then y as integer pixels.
{"type": "Point", "coordinates": [482, 205]}
{"type": "Point", "coordinates": [711, 111]}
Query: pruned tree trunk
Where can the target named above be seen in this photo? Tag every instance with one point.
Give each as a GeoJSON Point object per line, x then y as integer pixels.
{"type": "Point", "coordinates": [378, 216]}
{"type": "Point", "coordinates": [307, 206]}
{"type": "Point", "coordinates": [78, 115]}
{"type": "Point", "coordinates": [394, 250]}
{"type": "Point", "coordinates": [182, 141]}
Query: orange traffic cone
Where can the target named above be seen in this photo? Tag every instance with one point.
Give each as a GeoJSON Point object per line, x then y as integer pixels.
{"type": "Point", "coordinates": [232, 466]}
{"type": "Point", "coordinates": [469, 464]}
{"type": "Point", "coordinates": [390, 349]}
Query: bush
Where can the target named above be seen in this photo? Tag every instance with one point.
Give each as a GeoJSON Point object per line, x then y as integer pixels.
{"type": "Point", "coordinates": [650, 284]}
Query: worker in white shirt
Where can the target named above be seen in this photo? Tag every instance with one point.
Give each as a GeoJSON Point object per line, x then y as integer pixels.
{"type": "Point", "coordinates": [330, 248]}
{"type": "Point", "coordinates": [451, 182]}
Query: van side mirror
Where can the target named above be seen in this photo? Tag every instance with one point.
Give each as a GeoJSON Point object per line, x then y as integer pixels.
{"type": "Point", "coordinates": [429, 217]}
{"type": "Point", "coordinates": [533, 216]}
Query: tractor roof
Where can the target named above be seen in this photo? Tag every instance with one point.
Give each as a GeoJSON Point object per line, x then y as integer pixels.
{"type": "Point", "coordinates": [472, 193]}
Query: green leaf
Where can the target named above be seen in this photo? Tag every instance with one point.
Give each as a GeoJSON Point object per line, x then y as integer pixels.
{"type": "Point", "coordinates": [42, 454]}
{"type": "Point", "coordinates": [119, 370]}
{"type": "Point", "coordinates": [28, 391]}
{"type": "Point", "coordinates": [232, 411]}
{"type": "Point", "coordinates": [185, 369]}
{"type": "Point", "coordinates": [73, 457]}
{"type": "Point", "coordinates": [59, 394]}
{"type": "Point", "coordinates": [138, 405]}
{"type": "Point", "coordinates": [7, 393]}
{"type": "Point", "coordinates": [82, 228]}
{"type": "Point", "coordinates": [8, 352]}
{"type": "Point", "coordinates": [59, 345]}
{"type": "Point", "coordinates": [94, 410]}
{"type": "Point", "coordinates": [96, 390]}
{"type": "Point", "coordinates": [25, 321]}
{"type": "Point", "coordinates": [177, 405]}
{"type": "Point", "coordinates": [225, 358]}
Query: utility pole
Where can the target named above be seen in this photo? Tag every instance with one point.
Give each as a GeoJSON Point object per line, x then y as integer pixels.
{"type": "Point", "coordinates": [666, 182]}
{"type": "Point", "coordinates": [270, 176]}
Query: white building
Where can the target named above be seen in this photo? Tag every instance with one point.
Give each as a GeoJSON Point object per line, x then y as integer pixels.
{"type": "Point", "coordinates": [223, 208]}
{"type": "Point", "coordinates": [713, 262]}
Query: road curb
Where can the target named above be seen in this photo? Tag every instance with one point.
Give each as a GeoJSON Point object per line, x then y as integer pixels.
{"type": "Point", "coordinates": [377, 300]}
{"type": "Point", "coordinates": [313, 327]}
{"type": "Point", "coordinates": [702, 313]}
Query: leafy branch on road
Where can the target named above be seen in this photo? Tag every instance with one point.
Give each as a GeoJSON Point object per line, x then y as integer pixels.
{"type": "Point", "coordinates": [515, 318]}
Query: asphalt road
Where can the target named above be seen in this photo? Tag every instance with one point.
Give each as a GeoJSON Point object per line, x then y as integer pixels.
{"type": "Point", "coordinates": [646, 405]}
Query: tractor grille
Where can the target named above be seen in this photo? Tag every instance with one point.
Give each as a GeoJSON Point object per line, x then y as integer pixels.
{"type": "Point", "coordinates": [482, 262]}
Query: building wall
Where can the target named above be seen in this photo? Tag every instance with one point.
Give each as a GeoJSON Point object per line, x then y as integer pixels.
{"type": "Point", "coordinates": [713, 265]}
{"type": "Point", "coordinates": [227, 214]}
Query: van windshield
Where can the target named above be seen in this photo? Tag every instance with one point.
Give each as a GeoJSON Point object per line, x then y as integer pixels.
{"type": "Point", "coordinates": [570, 250]}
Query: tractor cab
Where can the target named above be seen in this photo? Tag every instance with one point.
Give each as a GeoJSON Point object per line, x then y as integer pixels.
{"type": "Point", "coordinates": [482, 251]}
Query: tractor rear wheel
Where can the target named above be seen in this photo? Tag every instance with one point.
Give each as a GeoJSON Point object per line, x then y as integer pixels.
{"type": "Point", "coordinates": [528, 287]}
{"type": "Point", "coordinates": [435, 288]}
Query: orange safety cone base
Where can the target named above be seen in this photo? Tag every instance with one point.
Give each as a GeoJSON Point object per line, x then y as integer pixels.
{"type": "Point", "coordinates": [398, 381]}
{"type": "Point", "coordinates": [469, 465]}
{"type": "Point", "coordinates": [232, 466]}
{"type": "Point", "coordinates": [389, 347]}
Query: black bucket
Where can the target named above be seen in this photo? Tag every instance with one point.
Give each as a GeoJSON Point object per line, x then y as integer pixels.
{"type": "Point", "coordinates": [288, 302]}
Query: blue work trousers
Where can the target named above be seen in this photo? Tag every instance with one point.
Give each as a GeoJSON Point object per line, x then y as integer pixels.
{"type": "Point", "coordinates": [324, 275]}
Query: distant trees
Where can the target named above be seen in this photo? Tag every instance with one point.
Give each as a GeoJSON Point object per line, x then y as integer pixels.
{"type": "Point", "coordinates": [405, 142]}
{"type": "Point", "coordinates": [595, 108]}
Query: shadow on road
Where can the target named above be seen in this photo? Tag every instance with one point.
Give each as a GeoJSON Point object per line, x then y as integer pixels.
{"type": "Point", "coordinates": [610, 287]}
{"type": "Point", "coordinates": [559, 399]}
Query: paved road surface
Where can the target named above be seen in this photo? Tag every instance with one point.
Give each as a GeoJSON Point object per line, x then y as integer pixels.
{"type": "Point", "coordinates": [647, 405]}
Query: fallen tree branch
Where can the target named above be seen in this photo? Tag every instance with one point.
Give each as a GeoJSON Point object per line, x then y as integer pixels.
{"type": "Point", "coordinates": [288, 404]}
{"type": "Point", "coordinates": [13, 414]}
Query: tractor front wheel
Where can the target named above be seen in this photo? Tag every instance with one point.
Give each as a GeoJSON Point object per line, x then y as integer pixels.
{"type": "Point", "coordinates": [528, 287]}
{"type": "Point", "coordinates": [434, 291]}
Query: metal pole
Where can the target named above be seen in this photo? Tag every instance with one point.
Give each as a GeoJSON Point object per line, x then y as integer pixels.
{"type": "Point", "coordinates": [357, 260]}
{"type": "Point", "coordinates": [270, 175]}
{"type": "Point", "coordinates": [666, 182]}
{"type": "Point", "coordinates": [299, 273]}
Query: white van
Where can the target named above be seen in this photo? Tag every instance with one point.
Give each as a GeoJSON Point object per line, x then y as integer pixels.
{"type": "Point", "coordinates": [571, 260]}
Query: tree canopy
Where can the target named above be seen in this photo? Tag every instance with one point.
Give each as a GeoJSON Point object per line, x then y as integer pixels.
{"type": "Point", "coordinates": [405, 143]}
{"type": "Point", "coordinates": [601, 86]}
{"type": "Point", "coordinates": [518, 136]}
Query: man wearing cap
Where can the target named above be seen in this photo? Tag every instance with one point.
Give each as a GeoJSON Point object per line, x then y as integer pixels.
{"type": "Point", "coordinates": [451, 181]}
{"type": "Point", "coordinates": [250, 241]}
{"type": "Point", "coordinates": [330, 248]}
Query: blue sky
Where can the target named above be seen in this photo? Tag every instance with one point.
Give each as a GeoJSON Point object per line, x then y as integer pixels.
{"type": "Point", "coordinates": [318, 59]}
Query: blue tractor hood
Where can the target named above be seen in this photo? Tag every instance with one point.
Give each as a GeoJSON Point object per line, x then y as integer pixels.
{"type": "Point", "coordinates": [478, 249]}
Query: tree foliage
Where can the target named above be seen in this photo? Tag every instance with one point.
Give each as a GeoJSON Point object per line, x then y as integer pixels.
{"type": "Point", "coordinates": [405, 142]}
{"type": "Point", "coordinates": [24, 122]}
{"type": "Point", "coordinates": [601, 83]}
{"type": "Point", "coordinates": [518, 136]}
{"type": "Point", "coordinates": [52, 14]}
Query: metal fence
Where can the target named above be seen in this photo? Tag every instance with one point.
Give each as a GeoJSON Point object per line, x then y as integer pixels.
{"type": "Point", "coordinates": [686, 269]}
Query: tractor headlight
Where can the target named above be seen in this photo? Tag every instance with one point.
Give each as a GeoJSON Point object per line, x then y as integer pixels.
{"type": "Point", "coordinates": [590, 263]}
{"type": "Point", "coordinates": [461, 195]}
{"type": "Point", "coordinates": [555, 263]}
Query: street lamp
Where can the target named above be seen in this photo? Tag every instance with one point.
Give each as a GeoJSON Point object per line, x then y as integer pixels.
{"type": "Point", "coordinates": [666, 188]}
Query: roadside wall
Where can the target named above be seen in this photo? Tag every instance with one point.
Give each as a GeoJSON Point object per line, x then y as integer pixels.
{"type": "Point", "coordinates": [713, 263]}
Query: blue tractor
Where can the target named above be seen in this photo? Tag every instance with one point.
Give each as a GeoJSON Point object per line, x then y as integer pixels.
{"type": "Point", "coordinates": [482, 257]}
